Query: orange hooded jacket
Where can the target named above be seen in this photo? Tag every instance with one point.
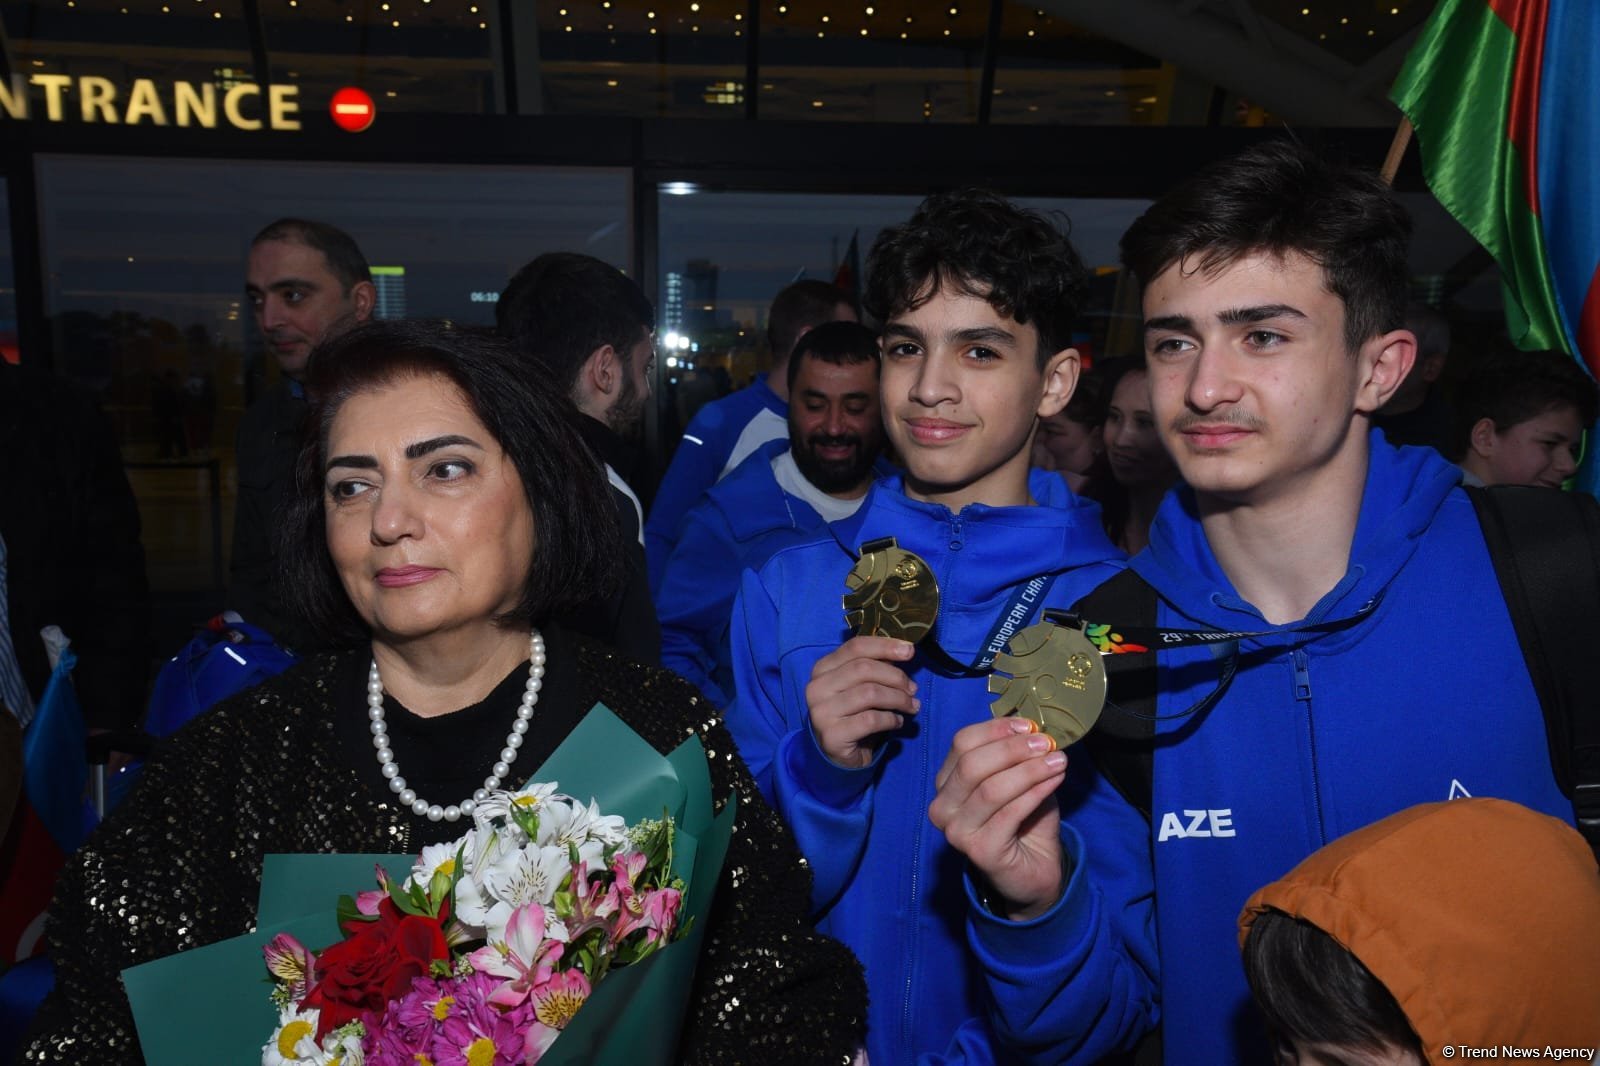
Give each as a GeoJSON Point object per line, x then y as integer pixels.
{"type": "Point", "coordinates": [1481, 917]}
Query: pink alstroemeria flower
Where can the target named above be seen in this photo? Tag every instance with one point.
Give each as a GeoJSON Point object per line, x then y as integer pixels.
{"type": "Point", "coordinates": [526, 957]}
{"type": "Point", "coordinates": [555, 1001]}
{"type": "Point", "coordinates": [291, 962]}
{"type": "Point", "coordinates": [661, 913]}
{"type": "Point", "coordinates": [652, 909]}
{"type": "Point", "coordinates": [627, 867]}
{"type": "Point", "coordinates": [367, 902]}
{"type": "Point", "coordinates": [594, 901]}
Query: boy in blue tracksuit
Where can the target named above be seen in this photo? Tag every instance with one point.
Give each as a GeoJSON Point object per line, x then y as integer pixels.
{"type": "Point", "coordinates": [1274, 300]}
{"type": "Point", "coordinates": [998, 893]}
{"type": "Point", "coordinates": [783, 494]}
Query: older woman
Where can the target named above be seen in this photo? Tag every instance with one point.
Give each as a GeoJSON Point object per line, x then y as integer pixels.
{"type": "Point", "coordinates": [445, 511]}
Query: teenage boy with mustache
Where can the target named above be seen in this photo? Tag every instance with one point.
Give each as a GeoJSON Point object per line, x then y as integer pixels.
{"type": "Point", "coordinates": [1384, 670]}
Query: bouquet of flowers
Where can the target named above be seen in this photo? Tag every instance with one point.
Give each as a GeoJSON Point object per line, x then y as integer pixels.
{"type": "Point", "coordinates": [480, 951]}
{"type": "Point", "coordinates": [491, 945]}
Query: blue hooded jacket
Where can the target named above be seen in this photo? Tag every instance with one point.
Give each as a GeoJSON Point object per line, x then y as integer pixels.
{"type": "Point", "coordinates": [1425, 699]}
{"type": "Point", "coordinates": [949, 982]}
{"type": "Point", "coordinates": [736, 526]}
{"type": "Point", "coordinates": [719, 436]}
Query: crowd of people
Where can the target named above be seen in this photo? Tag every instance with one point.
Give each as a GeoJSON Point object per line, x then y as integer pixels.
{"type": "Point", "coordinates": [1259, 520]}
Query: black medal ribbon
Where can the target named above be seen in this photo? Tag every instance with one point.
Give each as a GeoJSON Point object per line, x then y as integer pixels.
{"type": "Point", "coordinates": [1156, 638]}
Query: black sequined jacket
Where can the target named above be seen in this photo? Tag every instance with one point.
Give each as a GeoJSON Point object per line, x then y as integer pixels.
{"type": "Point", "coordinates": [179, 864]}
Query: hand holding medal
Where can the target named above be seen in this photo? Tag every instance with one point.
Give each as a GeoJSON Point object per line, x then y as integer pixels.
{"type": "Point", "coordinates": [859, 693]}
{"type": "Point", "coordinates": [1056, 679]}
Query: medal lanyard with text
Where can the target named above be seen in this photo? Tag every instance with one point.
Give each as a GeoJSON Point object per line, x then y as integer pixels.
{"type": "Point", "coordinates": [1056, 675]}
{"type": "Point", "coordinates": [1110, 639]}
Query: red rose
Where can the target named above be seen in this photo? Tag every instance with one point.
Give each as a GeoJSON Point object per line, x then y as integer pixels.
{"type": "Point", "coordinates": [373, 965]}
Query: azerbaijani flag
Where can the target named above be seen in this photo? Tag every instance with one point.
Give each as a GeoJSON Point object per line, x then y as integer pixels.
{"type": "Point", "coordinates": [1505, 99]}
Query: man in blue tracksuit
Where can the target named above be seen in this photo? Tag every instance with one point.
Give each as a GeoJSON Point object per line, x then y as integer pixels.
{"type": "Point", "coordinates": [779, 496]}
{"type": "Point", "coordinates": [723, 433]}
{"type": "Point", "coordinates": [998, 895]}
{"type": "Point", "coordinates": [1274, 303]}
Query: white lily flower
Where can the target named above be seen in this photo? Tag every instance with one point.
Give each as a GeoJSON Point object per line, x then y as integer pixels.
{"type": "Point", "coordinates": [501, 914]}
{"type": "Point", "coordinates": [473, 903]}
{"type": "Point", "coordinates": [528, 875]}
{"type": "Point", "coordinates": [585, 828]}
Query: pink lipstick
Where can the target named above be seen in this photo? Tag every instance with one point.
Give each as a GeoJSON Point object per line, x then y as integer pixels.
{"type": "Point", "coordinates": [401, 576]}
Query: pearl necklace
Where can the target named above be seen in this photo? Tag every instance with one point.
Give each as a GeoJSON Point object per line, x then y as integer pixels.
{"type": "Point", "coordinates": [508, 754]}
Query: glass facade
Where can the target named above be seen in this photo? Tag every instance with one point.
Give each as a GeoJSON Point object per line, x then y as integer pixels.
{"type": "Point", "coordinates": [193, 41]}
{"type": "Point", "coordinates": [1048, 71]}
{"type": "Point", "coordinates": [144, 276]}
{"type": "Point", "coordinates": [724, 255]}
{"type": "Point", "coordinates": [640, 57]}
{"type": "Point", "coordinates": [614, 127]}
{"type": "Point", "coordinates": [878, 61]}
{"type": "Point", "coordinates": [410, 55]}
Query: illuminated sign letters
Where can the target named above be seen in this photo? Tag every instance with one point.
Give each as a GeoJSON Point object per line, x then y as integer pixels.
{"type": "Point", "coordinates": [244, 106]}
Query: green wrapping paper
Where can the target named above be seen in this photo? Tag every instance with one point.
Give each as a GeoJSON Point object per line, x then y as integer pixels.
{"type": "Point", "coordinates": [211, 1004]}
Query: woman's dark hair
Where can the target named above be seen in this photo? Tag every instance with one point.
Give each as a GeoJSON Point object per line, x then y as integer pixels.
{"type": "Point", "coordinates": [576, 538]}
{"type": "Point", "coordinates": [1281, 197]}
{"type": "Point", "coordinates": [981, 244]}
{"type": "Point", "coordinates": [1311, 990]}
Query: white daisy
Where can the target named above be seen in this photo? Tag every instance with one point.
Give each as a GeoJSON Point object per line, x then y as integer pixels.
{"type": "Point", "coordinates": [497, 804]}
{"type": "Point", "coordinates": [441, 857]}
{"type": "Point", "coordinates": [294, 1041]}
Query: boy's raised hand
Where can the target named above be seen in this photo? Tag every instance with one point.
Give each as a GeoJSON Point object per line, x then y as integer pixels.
{"type": "Point", "coordinates": [996, 805]}
{"type": "Point", "coordinates": [858, 693]}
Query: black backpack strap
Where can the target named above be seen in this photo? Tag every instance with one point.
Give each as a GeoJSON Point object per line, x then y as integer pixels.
{"type": "Point", "coordinates": [1121, 744]}
{"type": "Point", "coordinates": [1545, 545]}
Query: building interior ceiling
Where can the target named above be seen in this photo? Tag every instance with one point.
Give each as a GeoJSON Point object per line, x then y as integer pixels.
{"type": "Point", "coordinates": [1306, 62]}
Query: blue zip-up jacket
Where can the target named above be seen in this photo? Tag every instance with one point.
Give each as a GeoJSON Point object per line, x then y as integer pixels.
{"type": "Point", "coordinates": [736, 526]}
{"type": "Point", "coordinates": [1425, 699]}
{"type": "Point", "coordinates": [719, 436]}
{"type": "Point", "coordinates": [949, 983]}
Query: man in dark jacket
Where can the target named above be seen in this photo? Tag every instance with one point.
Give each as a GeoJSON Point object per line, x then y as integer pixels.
{"type": "Point", "coordinates": [306, 281]}
{"type": "Point", "coordinates": [590, 327]}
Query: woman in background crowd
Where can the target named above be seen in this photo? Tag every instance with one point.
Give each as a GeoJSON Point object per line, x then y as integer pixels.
{"type": "Point", "coordinates": [1141, 469]}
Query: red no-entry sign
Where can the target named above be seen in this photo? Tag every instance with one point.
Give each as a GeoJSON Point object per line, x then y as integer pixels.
{"type": "Point", "coordinates": [352, 109]}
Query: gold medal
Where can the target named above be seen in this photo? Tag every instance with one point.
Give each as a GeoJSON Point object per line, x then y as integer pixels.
{"type": "Point", "coordinates": [1057, 680]}
{"type": "Point", "coordinates": [892, 593]}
